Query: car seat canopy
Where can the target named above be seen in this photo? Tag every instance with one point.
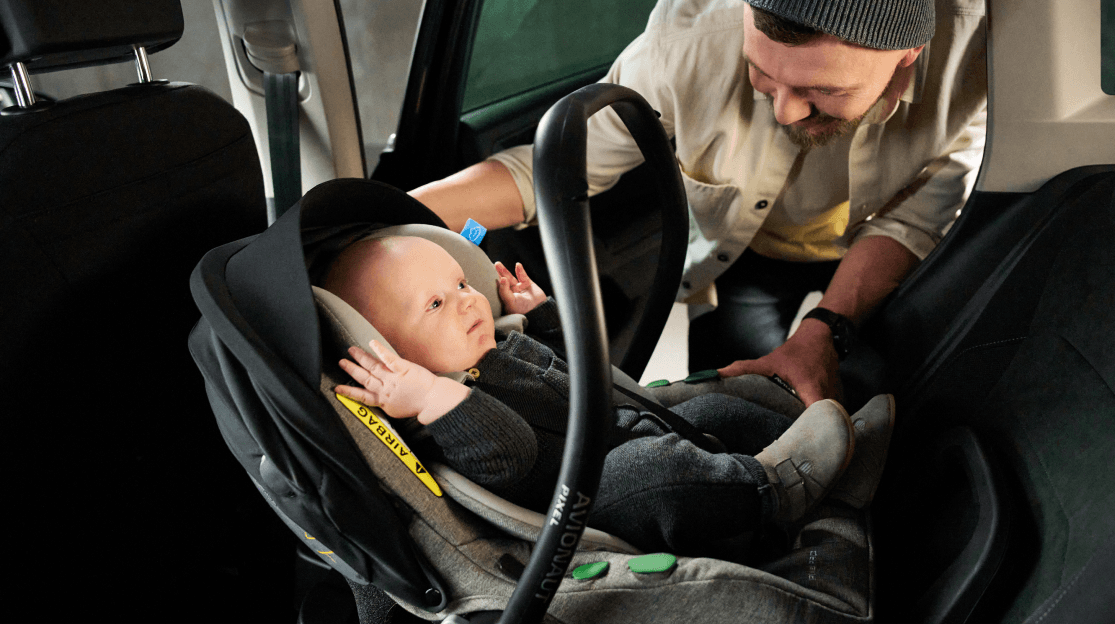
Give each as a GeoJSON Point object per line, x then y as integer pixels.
{"type": "Point", "coordinates": [259, 348]}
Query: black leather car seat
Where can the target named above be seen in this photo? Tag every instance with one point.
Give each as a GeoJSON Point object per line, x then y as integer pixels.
{"type": "Point", "coordinates": [107, 201]}
{"type": "Point", "coordinates": [1007, 332]}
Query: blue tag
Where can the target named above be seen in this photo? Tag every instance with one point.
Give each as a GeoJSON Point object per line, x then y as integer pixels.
{"type": "Point", "coordinates": [474, 231]}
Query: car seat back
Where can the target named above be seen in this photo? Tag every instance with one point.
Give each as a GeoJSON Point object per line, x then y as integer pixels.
{"type": "Point", "coordinates": [107, 200]}
{"type": "Point", "coordinates": [1025, 360]}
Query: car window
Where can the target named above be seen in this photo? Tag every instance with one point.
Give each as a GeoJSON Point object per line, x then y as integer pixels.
{"type": "Point", "coordinates": [522, 44]}
{"type": "Point", "coordinates": [1107, 47]}
{"type": "Point", "coordinates": [380, 37]}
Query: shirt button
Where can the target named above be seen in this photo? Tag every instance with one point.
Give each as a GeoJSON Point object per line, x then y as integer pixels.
{"type": "Point", "coordinates": [761, 204]}
{"type": "Point", "coordinates": [722, 257]}
{"type": "Point", "coordinates": [685, 285]}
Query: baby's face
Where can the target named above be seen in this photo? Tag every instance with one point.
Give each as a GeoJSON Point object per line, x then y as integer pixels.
{"type": "Point", "coordinates": [423, 305]}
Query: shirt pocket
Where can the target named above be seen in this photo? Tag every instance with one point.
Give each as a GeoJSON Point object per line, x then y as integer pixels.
{"type": "Point", "coordinates": [713, 206]}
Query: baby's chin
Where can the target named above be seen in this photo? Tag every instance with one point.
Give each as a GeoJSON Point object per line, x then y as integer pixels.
{"type": "Point", "coordinates": [487, 350]}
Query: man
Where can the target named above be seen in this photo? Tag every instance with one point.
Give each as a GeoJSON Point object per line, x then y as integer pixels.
{"type": "Point", "coordinates": [823, 146]}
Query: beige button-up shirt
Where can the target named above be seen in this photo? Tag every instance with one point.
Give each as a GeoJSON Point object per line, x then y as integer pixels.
{"type": "Point", "coordinates": [905, 172]}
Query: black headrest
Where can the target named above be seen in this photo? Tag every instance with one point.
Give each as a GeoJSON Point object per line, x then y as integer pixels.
{"type": "Point", "coordinates": [61, 34]}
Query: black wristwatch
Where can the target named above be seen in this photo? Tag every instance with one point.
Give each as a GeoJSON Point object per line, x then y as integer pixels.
{"type": "Point", "coordinates": [842, 329]}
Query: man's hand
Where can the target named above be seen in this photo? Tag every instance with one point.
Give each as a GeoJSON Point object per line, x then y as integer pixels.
{"type": "Point", "coordinates": [807, 361]}
{"type": "Point", "coordinates": [402, 388]}
{"type": "Point", "coordinates": [518, 294]}
{"type": "Point", "coordinates": [873, 267]}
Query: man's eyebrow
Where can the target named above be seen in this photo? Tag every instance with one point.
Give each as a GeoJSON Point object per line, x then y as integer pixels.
{"type": "Point", "coordinates": [829, 88]}
{"type": "Point", "coordinates": [747, 59]}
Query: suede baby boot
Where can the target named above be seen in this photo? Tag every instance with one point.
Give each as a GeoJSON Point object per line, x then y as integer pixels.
{"type": "Point", "coordinates": [873, 425]}
{"type": "Point", "coordinates": [803, 464]}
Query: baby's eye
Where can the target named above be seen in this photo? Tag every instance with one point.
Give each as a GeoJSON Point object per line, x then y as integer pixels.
{"type": "Point", "coordinates": [435, 304]}
{"type": "Point", "coordinates": [463, 285]}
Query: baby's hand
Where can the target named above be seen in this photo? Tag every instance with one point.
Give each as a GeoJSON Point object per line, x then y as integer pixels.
{"type": "Point", "coordinates": [518, 294]}
{"type": "Point", "coordinates": [402, 388]}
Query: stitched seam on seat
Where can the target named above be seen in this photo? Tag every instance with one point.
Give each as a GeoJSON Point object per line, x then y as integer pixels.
{"type": "Point", "coordinates": [1060, 502]}
{"type": "Point", "coordinates": [1064, 591]}
{"type": "Point", "coordinates": [987, 345]}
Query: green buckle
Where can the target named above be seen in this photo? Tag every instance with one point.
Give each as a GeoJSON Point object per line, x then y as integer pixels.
{"type": "Point", "coordinates": [658, 383]}
{"type": "Point", "coordinates": [649, 564]}
{"type": "Point", "coordinates": [704, 375]}
{"type": "Point", "coordinates": [590, 570]}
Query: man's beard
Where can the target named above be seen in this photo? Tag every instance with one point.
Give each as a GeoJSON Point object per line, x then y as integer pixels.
{"type": "Point", "coordinates": [838, 128]}
{"type": "Point", "coordinates": [833, 129]}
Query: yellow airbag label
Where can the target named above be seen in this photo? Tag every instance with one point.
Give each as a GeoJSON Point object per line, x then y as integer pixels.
{"type": "Point", "coordinates": [327, 553]}
{"type": "Point", "coordinates": [391, 439]}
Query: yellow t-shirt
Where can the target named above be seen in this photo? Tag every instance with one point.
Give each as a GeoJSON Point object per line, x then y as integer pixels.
{"type": "Point", "coordinates": [783, 238]}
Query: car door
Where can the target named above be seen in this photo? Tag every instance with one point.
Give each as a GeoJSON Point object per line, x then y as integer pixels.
{"type": "Point", "coordinates": [485, 71]}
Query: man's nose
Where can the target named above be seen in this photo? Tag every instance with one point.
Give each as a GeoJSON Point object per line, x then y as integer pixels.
{"type": "Point", "coordinates": [790, 107]}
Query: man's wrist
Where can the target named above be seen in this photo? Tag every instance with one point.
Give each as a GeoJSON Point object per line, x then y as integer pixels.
{"type": "Point", "coordinates": [840, 327]}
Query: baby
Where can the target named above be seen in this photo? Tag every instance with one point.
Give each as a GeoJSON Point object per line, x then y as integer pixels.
{"type": "Point", "coordinates": [504, 428]}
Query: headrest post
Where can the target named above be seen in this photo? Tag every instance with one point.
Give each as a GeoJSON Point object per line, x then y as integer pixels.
{"type": "Point", "coordinates": [143, 67]}
{"type": "Point", "coordinates": [24, 95]}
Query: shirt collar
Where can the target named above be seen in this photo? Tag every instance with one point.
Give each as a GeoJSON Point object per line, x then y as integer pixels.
{"type": "Point", "coordinates": [915, 86]}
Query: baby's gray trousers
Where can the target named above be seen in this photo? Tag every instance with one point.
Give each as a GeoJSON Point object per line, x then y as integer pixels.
{"type": "Point", "coordinates": [663, 493]}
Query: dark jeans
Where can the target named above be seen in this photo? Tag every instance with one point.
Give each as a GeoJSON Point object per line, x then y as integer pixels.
{"type": "Point", "coordinates": [758, 300]}
{"type": "Point", "coordinates": [663, 493]}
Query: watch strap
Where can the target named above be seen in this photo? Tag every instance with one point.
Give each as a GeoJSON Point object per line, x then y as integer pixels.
{"type": "Point", "coordinates": [841, 326]}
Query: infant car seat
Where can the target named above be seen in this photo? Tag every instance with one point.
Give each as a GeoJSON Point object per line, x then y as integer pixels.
{"type": "Point", "coordinates": [345, 481]}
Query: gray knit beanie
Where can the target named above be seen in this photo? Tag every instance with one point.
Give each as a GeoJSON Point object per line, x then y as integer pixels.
{"type": "Point", "coordinates": [879, 24]}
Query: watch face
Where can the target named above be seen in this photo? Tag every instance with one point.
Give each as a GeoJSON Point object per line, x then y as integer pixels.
{"type": "Point", "coordinates": [842, 341]}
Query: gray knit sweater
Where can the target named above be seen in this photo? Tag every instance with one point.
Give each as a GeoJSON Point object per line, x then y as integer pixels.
{"type": "Point", "coordinates": [509, 434]}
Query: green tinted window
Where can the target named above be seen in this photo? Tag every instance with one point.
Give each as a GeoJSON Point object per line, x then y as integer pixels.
{"type": "Point", "coordinates": [521, 44]}
{"type": "Point", "coordinates": [1107, 46]}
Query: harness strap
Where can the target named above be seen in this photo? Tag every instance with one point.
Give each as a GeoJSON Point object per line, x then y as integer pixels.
{"type": "Point", "coordinates": [676, 423]}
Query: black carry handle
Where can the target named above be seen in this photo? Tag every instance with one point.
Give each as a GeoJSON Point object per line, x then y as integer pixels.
{"type": "Point", "coordinates": [561, 193]}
